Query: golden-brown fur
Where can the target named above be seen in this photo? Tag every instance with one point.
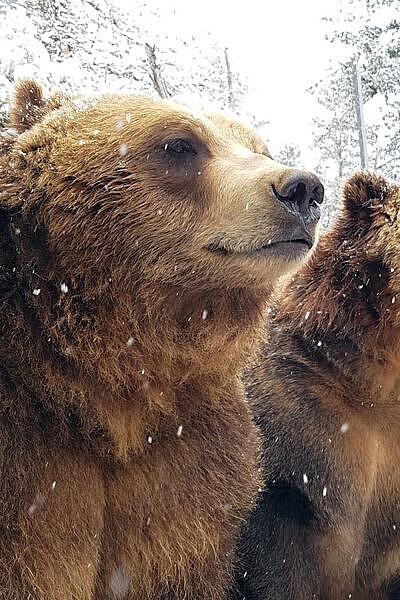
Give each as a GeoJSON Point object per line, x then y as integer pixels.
{"type": "Point", "coordinates": [326, 396]}
{"type": "Point", "coordinates": [132, 288]}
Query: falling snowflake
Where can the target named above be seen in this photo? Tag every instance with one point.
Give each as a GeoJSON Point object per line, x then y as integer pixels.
{"type": "Point", "coordinates": [36, 504]}
{"type": "Point", "coordinates": [120, 583]}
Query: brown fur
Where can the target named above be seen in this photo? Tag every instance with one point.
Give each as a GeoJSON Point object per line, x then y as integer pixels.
{"type": "Point", "coordinates": [326, 396]}
{"type": "Point", "coordinates": [131, 295]}
{"type": "Point", "coordinates": [30, 106]}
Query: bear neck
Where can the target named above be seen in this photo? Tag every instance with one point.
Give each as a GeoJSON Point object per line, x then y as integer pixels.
{"type": "Point", "coordinates": [129, 367]}
{"type": "Point", "coordinates": [170, 327]}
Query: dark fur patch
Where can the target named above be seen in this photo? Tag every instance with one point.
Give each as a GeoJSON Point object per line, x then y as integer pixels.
{"type": "Point", "coordinates": [288, 502]}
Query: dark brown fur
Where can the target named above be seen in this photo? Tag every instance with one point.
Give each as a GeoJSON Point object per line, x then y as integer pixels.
{"type": "Point", "coordinates": [326, 397]}
{"type": "Point", "coordinates": [131, 296]}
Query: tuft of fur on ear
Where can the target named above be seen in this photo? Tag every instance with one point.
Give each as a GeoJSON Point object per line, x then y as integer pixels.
{"type": "Point", "coordinates": [30, 106]}
{"type": "Point", "coordinates": [365, 191]}
{"type": "Point", "coordinates": [27, 106]}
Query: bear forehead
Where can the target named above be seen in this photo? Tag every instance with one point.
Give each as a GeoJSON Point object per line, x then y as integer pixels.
{"type": "Point", "coordinates": [148, 118]}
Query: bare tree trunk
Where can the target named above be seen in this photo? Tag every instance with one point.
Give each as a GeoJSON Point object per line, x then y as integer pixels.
{"type": "Point", "coordinates": [158, 80]}
{"type": "Point", "coordinates": [231, 97]}
{"type": "Point", "coordinates": [358, 100]}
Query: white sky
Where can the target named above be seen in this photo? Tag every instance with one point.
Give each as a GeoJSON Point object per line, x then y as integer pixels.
{"type": "Point", "coordinates": [278, 44]}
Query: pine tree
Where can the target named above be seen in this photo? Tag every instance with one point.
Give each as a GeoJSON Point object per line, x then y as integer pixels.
{"type": "Point", "coordinates": [366, 31]}
{"type": "Point", "coordinates": [84, 46]}
{"type": "Point", "coordinates": [289, 155]}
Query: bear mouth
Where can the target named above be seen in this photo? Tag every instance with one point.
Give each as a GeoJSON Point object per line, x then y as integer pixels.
{"type": "Point", "coordinates": [291, 248]}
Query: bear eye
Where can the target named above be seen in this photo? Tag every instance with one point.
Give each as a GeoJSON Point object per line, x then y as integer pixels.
{"type": "Point", "coordinates": [180, 147]}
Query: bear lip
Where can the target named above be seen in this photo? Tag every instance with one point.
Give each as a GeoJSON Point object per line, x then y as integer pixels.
{"type": "Point", "coordinates": [289, 247]}
{"type": "Point", "coordinates": [306, 240]}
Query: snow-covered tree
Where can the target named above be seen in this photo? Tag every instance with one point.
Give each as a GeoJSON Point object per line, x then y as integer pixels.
{"type": "Point", "coordinates": [288, 155]}
{"type": "Point", "coordinates": [366, 31]}
{"type": "Point", "coordinates": [82, 46]}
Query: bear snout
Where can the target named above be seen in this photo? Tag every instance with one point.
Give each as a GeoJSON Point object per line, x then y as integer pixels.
{"type": "Point", "coordinates": [301, 193]}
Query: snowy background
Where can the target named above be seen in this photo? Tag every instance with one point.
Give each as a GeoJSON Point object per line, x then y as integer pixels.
{"type": "Point", "coordinates": [286, 68]}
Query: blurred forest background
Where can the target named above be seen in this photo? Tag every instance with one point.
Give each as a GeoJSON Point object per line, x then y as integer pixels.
{"type": "Point", "coordinates": [84, 46]}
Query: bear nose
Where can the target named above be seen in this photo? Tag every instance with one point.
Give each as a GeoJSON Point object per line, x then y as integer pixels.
{"type": "Point", "coordinates": [300, 191]}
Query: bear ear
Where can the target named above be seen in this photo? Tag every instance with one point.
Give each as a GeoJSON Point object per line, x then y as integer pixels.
{"type": "Point", "coordinates": [30, 106]}
{"type": "Point", "coordinates": [365, 191]}
{"type": "Point", "coordinates": [27, 107]}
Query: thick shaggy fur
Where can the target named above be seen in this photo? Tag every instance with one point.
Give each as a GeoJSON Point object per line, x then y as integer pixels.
{"type": "Point", "coordinates": [326, 397]}
{"type": "Point", "coordinates": [132, 293]}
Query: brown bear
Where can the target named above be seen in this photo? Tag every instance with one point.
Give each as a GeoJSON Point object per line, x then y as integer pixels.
{"type": "Point", "coordinates": [326, 395]}
{"type": "Point", "coordinates": [139, 243]}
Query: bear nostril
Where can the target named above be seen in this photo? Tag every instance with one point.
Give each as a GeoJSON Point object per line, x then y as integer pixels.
{"type": "Point", "coordinates": [317, 194]}
{"type": "Point", "coordinates": [298, 194]}
{"type": "Point", "coordinates": [300, 191]}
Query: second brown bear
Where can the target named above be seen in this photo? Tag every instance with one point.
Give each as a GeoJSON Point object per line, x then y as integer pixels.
{"type": "Point", "coordinates": [326, 396]}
